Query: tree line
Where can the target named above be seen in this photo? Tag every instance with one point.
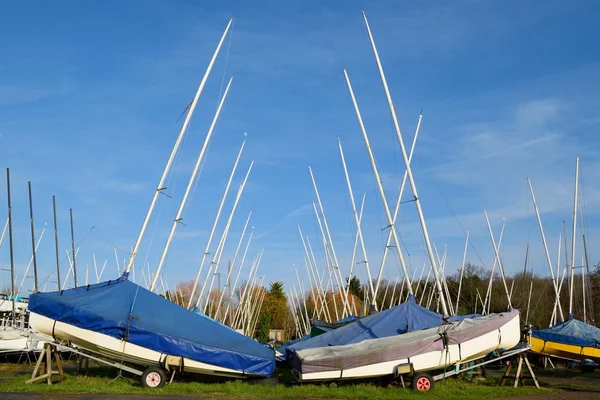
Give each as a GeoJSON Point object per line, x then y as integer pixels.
{"type": "Point", "coordinates": [533, 295]}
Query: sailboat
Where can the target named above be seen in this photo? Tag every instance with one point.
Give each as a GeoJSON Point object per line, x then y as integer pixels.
{"type": "Point", "coordinates": [15, 337]}
{"type": "Point", "coordinates": [571, 339]}
{"type": "Point", "coordinates": [401, 319]}
{"type": "Point", "coordinates": [423, 350]}
{"type": "Point", "coordinates": [407, 335]}
{"type": "Point", "coordinates": [12, 338]}
{"type": "Point", "coordinates": [125, 322]}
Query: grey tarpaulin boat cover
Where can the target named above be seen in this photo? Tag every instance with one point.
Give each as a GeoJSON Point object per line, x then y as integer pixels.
{"type": "Point", "coordinates": [406, 317]}
{"type": "Point", "coordinates": [366, 352]}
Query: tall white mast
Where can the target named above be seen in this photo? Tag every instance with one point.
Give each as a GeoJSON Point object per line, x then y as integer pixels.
{"type": "Point", "coordinates": [186, 122]}
{"type": "Point", "coordinates": [411, 179]}
{"type": "Point", "coordinates": [394, 292]}
{"type": "Point", "coordinates": [462, 270]}
{"type": "Point", "coordinates": [255, 313]}
{"type": "Point", "coordinates": [357, 220]}
{"type": "Point", "coordinates": [586, 263]}
{"type": "Point", "coordinates": [398, 202]}
{"type": "Point", "coordinates": [574, 238]}
{"type": "Point", "coordinates": [583, 287]}
{"type": "Point", "coordinates": [303, 293]}
{"type": "Point", "coordinates": [442, 263]}
{"type": "Point", "coordinates": [298, 309]}
{"type": "Point", "coordinates": [330, 265]}
{"type": "Point", "coordinates": [352, 261]}
{"type": "Point", "coordinates": [237, 277]}
{"type": "Point", "coordinates": [179, 217]}
{"type": "Point", "coordinates": [31, 260]}
{"type": "Point", "coordinates": [317, 285]}
{"type": "Point", "coordinates": [294, 311]}
{"type": "Point", "coordinates": [249, 304]}
{"type": "Point", "coordinates": [338, 277]}
{"type": "Point", "coordinates": [420, 278]}
{"type": "Point", "coordinates": [499, 259]}
{"type": "Point", "coordinates": [488, 293]}
{"type": "Point", "coordinates": [380, 186]}
{"type": "Point", "coordinates": [217, 257]}
{"type": "Point", "coordinates": [554, 283]}
{"type": "Point", "coordinates": [215, 223]}
{"type": "Point", "coordinates": [316, 309]}
{"type": "Point", "coordinates": [318, 277]}
{"type": "Point", "coordinates": [3, 232]}
{"type": "Point", "coordinates": [241, 304]}
{"type": "Point", "coordinates": [557, 272]}
{"type": "Point", "coordinates": [233, 263]}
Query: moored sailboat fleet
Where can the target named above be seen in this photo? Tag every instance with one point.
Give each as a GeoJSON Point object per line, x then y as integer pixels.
{"type": "Point", "coordinates": [117, 319]}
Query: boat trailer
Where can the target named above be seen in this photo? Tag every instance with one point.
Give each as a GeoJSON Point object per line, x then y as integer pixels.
{"type": "Point", "coordinates": [154, 376]}
{"type": "Point", "coordinates": [423, 381]}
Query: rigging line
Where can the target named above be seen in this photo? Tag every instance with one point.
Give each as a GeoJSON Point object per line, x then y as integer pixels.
{"type": "Point", "coordinates": [109, 242]}
{"type": "Point", "coordinates": [451, 210]}
{"type": "Point", "coordinates": [176, 122]}
{"type": "Point", "coordinates": [178, 160]}
{"type": "Point", "coordinates": [20, 244]}
{"type": "Point", "coordinates": [63, 260]}
{"type": "Point", "coordinates": [378, 206]}
{"type": "Point", "coordinates": [136, 173]}
{"type": "Point", "coordinates": [585, 237]}
{"type": "Point", "coordinates": [524, 288]}
{"type": "Point", "coordinates": [539, 298]}
{"type": "Point", "coordinates": [208, 146]}
{"type": "Point", "coordinates": [157, 145]}
{"type": "Point", "coordinates": [82, 239]}
{"type": "Point", "coordinates": [584, 207]}
{"type": "Point", "coordinates": [226, 63]}
{"type": "Point", "coordinates": [353, 227]}
{"type": "Point", "coordinates": [195, 187]}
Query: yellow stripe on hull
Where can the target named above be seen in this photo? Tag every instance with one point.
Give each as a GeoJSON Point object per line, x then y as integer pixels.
{"type": "Point", "coordinates": [570, 351]}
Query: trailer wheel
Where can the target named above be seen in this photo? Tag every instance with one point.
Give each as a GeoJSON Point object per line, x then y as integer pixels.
{"type": "Point", "coordinates": [422, 382]}
{"type": "Point", "coordinates": [154, 377]}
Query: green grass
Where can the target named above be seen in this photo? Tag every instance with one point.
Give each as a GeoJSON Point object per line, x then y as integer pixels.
{"type": "Point", "coordinates": [98, 380]}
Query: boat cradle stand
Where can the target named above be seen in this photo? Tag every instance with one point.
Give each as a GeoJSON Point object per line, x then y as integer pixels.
{"type": "Point", "coordinates": [518, 376]}
{"type": "Point", "coordinates": [47, 372]}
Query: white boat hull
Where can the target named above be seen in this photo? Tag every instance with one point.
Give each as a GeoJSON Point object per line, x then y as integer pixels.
{"type": "Point", "coordinates": [506, 337]}
{"type": "Point", "coordinates": [17, 340]}
{"type": "Point", "coordinates": [117, 349]}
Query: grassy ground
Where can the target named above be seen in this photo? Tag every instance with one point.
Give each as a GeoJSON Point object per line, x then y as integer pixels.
{"type": "Point", "coordinates": [99, 380]}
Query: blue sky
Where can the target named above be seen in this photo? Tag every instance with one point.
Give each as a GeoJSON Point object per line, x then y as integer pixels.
{"type": "Point", "coordinates": [89, 92]}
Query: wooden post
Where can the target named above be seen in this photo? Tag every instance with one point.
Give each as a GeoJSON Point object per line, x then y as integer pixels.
{"type": "Point", "coordinates": [537, 385]}
{"type": "Point", "coordinates": [519, 373]}
{"type": "Point", "coordinates": [518, 377]}
{"type": "Point", "coordinates": [46, 356]}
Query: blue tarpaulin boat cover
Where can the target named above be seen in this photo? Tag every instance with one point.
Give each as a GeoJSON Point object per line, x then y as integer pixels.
{"type": "Point", "coordinates": [406, 317]}
{"type": "Point", "coordinates": [571, 331]}
{"type": "Point", "coordinates": [124, 310]}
